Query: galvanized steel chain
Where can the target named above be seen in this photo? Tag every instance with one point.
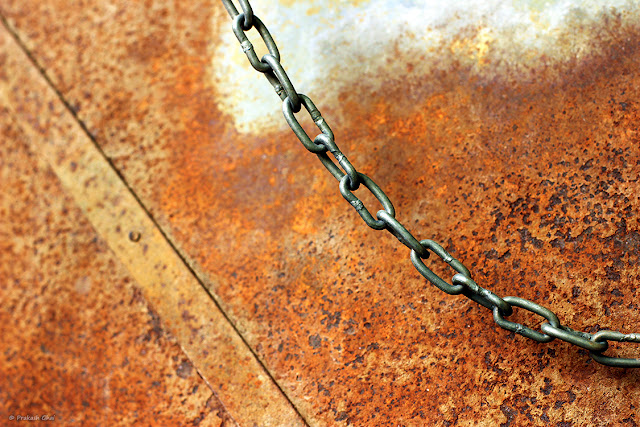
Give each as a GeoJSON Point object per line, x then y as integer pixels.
{"type": "Point", "coordinates": [350, 180]}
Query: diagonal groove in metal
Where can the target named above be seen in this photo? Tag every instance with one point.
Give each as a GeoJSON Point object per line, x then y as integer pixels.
{"type": "Point", "coordinates": [42, 72]}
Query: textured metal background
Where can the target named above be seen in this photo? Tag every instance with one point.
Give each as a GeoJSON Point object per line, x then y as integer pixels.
{"type": "Point", "coordinates": [521, 155]}
{"type": "Point", "coordinates": [80, 343]}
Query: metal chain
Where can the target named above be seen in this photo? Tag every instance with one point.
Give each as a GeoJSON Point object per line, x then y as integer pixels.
{"type": "Point", "coordinates": [350, 180]}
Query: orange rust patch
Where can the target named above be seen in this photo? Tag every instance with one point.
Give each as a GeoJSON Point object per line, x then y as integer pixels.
{"type": "Point", "coordinates": [503, 169]}
{"type": "Point", "coordinates": [526, 191]}
{"type": "Point", "coordinates": [80, 343]}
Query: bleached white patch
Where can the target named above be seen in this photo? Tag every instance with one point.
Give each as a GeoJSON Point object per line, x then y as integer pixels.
{"type": "Point", "coordinates": [325, 45]}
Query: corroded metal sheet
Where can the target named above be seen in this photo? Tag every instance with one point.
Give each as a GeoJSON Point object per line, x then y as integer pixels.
{"type": "Point", "coordinates": [80, 345]}
{"type": "Point", "coordinates": [183, 307]}
{"type": "Point", "coordinates": [508, 133]}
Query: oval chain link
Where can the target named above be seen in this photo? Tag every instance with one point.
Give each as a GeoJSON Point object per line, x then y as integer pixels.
{"type": "Point", "coordinates": [580, 339]}
{"type": "Point", "coordinates": [618, 362]}
{"type": "Point", "coordinates": [289, 116]}
{"type": "Point", "coordinates": [481, 295]}
{"type": "Point", "coordinates": [343, 161]}
{"type": "Point", "coordinates": [520, 329]}
{"type": "Point", "coordinates": [432, 277]}
{"type": "Point", "coordinates": [246, 10]}
{"type": "Point", "coordinates": [350, 180]}
{"type": "Point", "coordinates": [402, 234]}
{"type": "Point", "coordinates": [247, 46]}
{"type": "Point", "coordinates": [360, 207]}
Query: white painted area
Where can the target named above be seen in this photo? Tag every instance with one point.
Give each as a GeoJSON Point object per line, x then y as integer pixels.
{"type": "Point", "coordinates": [353, 39]}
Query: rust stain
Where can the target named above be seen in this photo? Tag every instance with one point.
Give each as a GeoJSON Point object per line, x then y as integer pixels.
{"type": "Point", "coordinates": [526, 173]}
{"type": "Point", "coordinates": [81, 345]}
{"type": "Point", "coordinates": [248, 394]}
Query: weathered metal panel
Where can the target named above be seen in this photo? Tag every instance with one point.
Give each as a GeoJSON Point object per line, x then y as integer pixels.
{"type": "Point", "coordinates": [506, 132]}
{"type": "Point", "coordinates": [80, 345]}
{"type": "Point", "coordinates": [184, 308]}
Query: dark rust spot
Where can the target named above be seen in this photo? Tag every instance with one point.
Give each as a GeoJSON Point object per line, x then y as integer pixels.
{"type": "Point", "coordinates": [315, 341]}
{"type": "Point", "coordinates": [184, 369]}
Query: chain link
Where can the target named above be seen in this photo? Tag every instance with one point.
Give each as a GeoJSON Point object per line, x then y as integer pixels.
{"type": "Point", "coordinates": [350, 180]}
{"type": "Point", "coordinates": [247, 46]}
{"type": "Point", "coordinates": [520, 329]}
{"type": "Point", "coordinates": [287, 109]}
{"type": "Point", "coordinates": [376, 224]}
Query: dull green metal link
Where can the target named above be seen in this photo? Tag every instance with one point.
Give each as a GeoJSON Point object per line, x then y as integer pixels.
{"type": "Point", "coordinates": [581, 339]}
{"type": "Point", "coordinates": [343, 161]}
{"type": "Point", "coordinates": [289, 116]}
{"type": "Point", "coordinates": [482, 296]}
{"type": "Point", "coordinates": [520, 329]}
{"type": "Point", "coordinates": [350, 179]}
{"type": "Point", "coordinates": [360, 207]}
{"type": "Point", "coordinates": [402, 234]}
{"type": "Point", "coordinates": [246, 10]}
{"type": "Point", "coordinates": [432, 277]}
{"type": "Point", "coordinates": [619, 362]}
{"type": "Point", "coordinates": [247, 46]}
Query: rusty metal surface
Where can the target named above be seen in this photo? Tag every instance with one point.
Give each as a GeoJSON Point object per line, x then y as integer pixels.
{"type": "Point", "coordinates": [183, 307]}
{"type": "Point", "coordinates": [80, 343]}
{"type": "Point", "coordinates": [527, 167]}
